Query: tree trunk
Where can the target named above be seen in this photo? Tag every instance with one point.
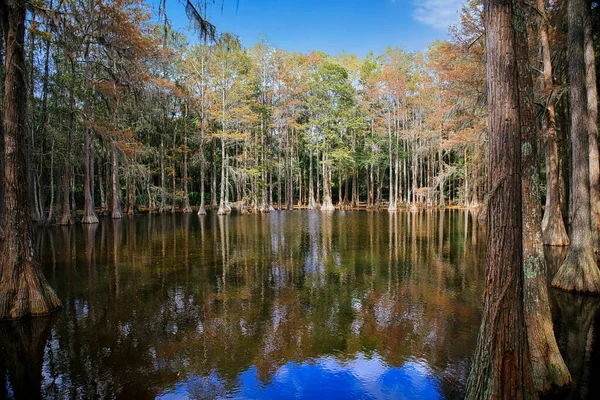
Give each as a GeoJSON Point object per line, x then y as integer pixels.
{"type": "Point", "coordinates": [392, 201]}
{"type": "Point", "coordinates": [564, 162]}
{"type": "Point", "coordinates": [327, 203]}
{"type": "Point", "coordinates": [186, 196]}
{"type": "Point", "coordinates": [442, 202]}
{"type": "Point", "coordinates": [413, 206]}
{"type": "Point", "coordinates": [108, 179]}
{"type": "Point", "coordinates": [270, 192]}
{"type": "Point", "coordinates": [279, 183]}
{"type": "Point", "coordinates": [312, 204]}
{"type": "Point", "coordinates": [117, 213]}
{"type": "Point", "coordinates": [65, 218]}
{"type": "Point", "coordinates": [404, 172]}
{"type": "Point", "coordinates": [173, 188]}
{"type": "Point", "coordinates": [173, 174]}
{"type": "Point", "coordinates": [130, 206]}
{"type": "Point", "coordinates": [43, 131]}
{"type": "Point", "coordinates": [52, 188]}
{"type": "Point", "coordinates": [548, 367]}
{"type": "Point", "coordinates": [318, 187]}
{"type": "Point", "coordinates": [163, 187]}
{"type": "Point", "coordinates": [592, 123]}
{"type": "Point", "coordinates": [24, 289]}
{"type": "Point", "coordinates": [222, 203]}
{"type": "Point", "coordinates": [579, 272]}
{"type": "Point", "coordinates": [301, 188]}
{"type": "Point", "coordinates": [213, 180]}
{"type": "Point", "coordinates": [2, 73]}
{"type": "Point", "coordinates": [397, 190]}
{"type": "Point", "coordinates": [103, 202]}
{"type": "Point", "coordinates": [501, 368]}
{"type": "Point", "coordinates": [347, 192]}
{"type": "Point", "coordinates": [72, 190]}
{"type": "Point", "coordinates": [368, 180]}
{"type": "Point", "coordinates": [378, 185]}
{"type": "Point", "coordinates": [290, 204]}
{"type": "Point", "coordinates": [36, 215]}
{"type": "Point", "coordinates": [355, 195]}
{"type": "Point", "coordinates": [151, 204]}
{"type": "Point", "coordinates": [553, 227]}
{"type": "Point", "coordinates": [89, 213]}
{"type": "Point", "coordinates": [202, 209]}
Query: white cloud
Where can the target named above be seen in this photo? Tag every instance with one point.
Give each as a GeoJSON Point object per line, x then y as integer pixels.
{"type": "Point", "coordinates": [438, 14]}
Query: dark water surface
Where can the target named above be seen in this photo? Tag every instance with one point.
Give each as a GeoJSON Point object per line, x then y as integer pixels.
{"type": "Point", "coordinates": [285, 305]}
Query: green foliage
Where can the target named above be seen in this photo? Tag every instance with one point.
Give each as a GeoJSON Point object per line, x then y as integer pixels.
{"type": "Point", "coordinates": [254, 115]}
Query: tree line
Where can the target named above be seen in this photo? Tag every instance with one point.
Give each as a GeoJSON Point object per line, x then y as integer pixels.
{"type": "Point", "coordinates": [125, 114]}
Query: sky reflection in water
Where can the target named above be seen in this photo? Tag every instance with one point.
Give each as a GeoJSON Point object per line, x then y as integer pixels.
{"type": "Point", "coordinates": [324, 378]}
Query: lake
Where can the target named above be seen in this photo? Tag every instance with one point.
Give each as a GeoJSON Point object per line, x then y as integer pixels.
{"type": "Point", "coordinates": [300, 304]}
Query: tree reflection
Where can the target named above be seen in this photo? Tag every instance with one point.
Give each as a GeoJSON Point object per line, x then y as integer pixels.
{"type": "Point", "coordinates": [208, 301]}
{"type": "Point", "coordinates": [22, 350]}
{"type": "Point", "coordinates": [576, 337]}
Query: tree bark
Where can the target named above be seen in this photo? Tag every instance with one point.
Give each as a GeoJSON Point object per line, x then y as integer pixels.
{"type": "Point", "coordinates": [413, 206]}
{"type": "Point", "coordinates": [31, 177]}
{"type": "Point", "coordinates": [355, 195]}
{"type": "Point", "coordinates": [290, 204]}
{"type": "Point", "coordinates": [392, 200]}
{"type": "Point", "coordinates": [101, 185]}
{"type": "Point", "coordinates": [130, 182]}
{"type": "Point", "coordinates": [553, 227]}
{"type": "Point", "coordinates": [501, 368]}
{"type": "Point", "coordinates": [173, 173]}
{"type": "Point", "coordinates": [564, 165]}
{"type": "Point", "coordinates": [312, 204]}
{"type": "Point", "coordinates": [2, 73]}
{"type": "Point", "coordinates": [318, 186]}
{"type": "Point", "coordinates": [579, 272]}
{"type": "Point", "coordinates": [202, 209]}
{"type": "Point", "coordinates": [186, 197]}
{"type": "Point", "coordinates": [163, 187]}
{"type": "Point", "coordinates": [117, 212]}
{"type": "Point", "coordinates": [89, 212]}
{"type": "Point", "coordinates": [43, 131]}
{"type": "Point", "coordinates": [222, 202]}
{"type": "Point", "coordinates": [213, 178]}
{"type": "Point", "coordinates": [368, 180]}
{"type": "Point", "coordinates": [548, 367]}
{"type": "Point", "coordinates": [327, 203]}
{"type": "Point", "coordinates": [23, 290]}
{"type": "Point", "coordinates": [65, 218]}
{"type": "Point", "coordinates": [50, 215]}
{"type": "Point", "coordinates": [592, 124]}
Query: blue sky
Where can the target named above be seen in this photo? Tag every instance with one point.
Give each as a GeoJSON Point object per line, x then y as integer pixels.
{"type": "Point", "coordinates": [333, 26]}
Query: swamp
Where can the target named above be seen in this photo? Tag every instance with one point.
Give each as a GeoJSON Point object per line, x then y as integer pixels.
{"type": "Point", "coordinates": [300, 304]}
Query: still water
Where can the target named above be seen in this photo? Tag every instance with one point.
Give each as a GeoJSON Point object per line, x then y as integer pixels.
{"type": "Point", "coordinates": [286, 305]}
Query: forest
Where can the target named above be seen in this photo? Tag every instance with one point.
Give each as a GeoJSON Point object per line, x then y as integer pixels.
{"type": "Point", "coordinates": [110, 111]}
{"type": "Point", "coordinates": [126, 115]}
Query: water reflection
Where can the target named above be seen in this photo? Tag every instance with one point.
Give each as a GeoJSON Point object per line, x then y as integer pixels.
{"type": "Point", "coordinates": [302, 304]}
{"type": "Point", "coordinates": [327, 377]}
{"type": "Point", "coordinates": [23, 348]}
{"type": "Point", "coordinates": [576, 320]}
